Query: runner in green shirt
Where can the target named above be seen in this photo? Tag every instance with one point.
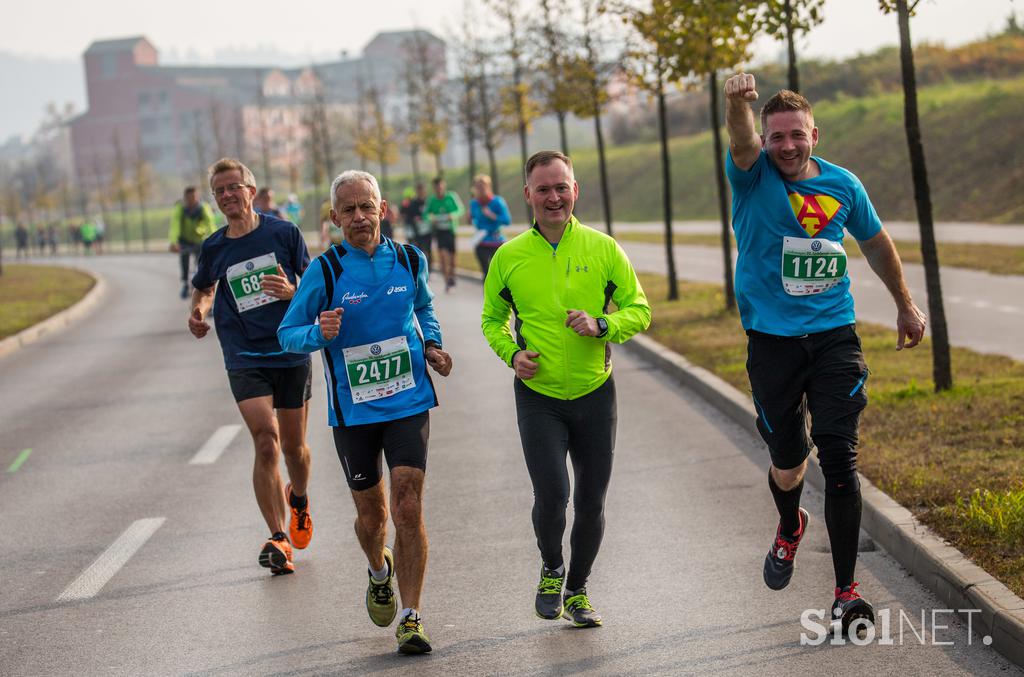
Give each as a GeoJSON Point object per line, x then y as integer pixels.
{"type": "Point", "coordinates": [443, 211]}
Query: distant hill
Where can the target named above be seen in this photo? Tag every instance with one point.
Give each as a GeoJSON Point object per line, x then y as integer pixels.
{"type": "Point", "coordinates": [29, 84]}
{"type": "Point", "coordinates": [972, 140]}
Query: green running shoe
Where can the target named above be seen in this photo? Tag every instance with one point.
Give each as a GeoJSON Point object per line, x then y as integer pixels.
{"type": "Point", "coordinates": [380, 597]}
{"type": "Point", "coordinates": [549, 594]}
{"type": "Point", "coordinates": [578, 610]}
{"type": "Point", "coordinates": [411, 637]}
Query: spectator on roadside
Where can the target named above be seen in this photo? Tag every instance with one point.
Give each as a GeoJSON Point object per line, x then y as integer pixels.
{"type": "Point", "coordinates": [21, 240]}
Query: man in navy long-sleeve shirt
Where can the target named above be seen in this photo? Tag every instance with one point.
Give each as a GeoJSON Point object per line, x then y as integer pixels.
{"type": "Point", "coordinates": [360, 304]}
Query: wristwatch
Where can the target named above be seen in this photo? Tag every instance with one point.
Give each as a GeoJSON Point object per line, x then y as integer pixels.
{"type": "Point", "coordinates": [602, 327]}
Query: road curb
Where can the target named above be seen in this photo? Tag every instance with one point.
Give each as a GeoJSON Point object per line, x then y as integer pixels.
{"type": "Point", "coordinates": [62, 319]}
{"type": "Point", "coordinates": [940, 567]}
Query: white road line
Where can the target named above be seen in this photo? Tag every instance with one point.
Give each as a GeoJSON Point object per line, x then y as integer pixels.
{"type": "Point", "coordinates": [955, 299]}
{"type": "Point", "coordinates": [92, 580]}
{"type": "Point", "coordinates": [981, 304]}
{"type": "Point", "coordinates": [216, 445]}
{"type": "Point", "coordinates": [1010, 310]}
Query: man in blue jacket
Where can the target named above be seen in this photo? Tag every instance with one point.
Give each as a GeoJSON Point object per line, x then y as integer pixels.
{"type": "Point", "coordinates": [360, 305]}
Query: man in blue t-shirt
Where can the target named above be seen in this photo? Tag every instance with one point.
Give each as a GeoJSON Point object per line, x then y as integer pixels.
{"type": "Point", "coordinates": [803, 354]}
{"type": "Point", "coordinates": [361, 306]}
{"type": "Point", "coordinates": [252, 266]}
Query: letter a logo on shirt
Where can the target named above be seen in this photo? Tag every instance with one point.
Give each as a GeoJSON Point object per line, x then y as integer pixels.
{"type": "Point", "coordinates": [814, 212]}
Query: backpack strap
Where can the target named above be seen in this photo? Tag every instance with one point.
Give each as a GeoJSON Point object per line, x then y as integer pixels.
{"type": "Point", "coordinates": [411, 262]}
{"type": "Point", "coordinates": [330, 263]}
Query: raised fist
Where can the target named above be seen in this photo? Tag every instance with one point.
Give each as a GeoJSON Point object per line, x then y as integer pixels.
{"type": "Point", "coordinates": [741, 86]}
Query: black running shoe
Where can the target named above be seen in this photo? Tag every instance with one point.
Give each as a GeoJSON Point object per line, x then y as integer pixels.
{"type": "Point", "coordinates": [578, 610]}
{"type": "Point", "coordinates": [849, 606]}
{"type": "Point", "coordinates": [778, 564]}
{"type": "Point", "coordinates": [549, 594]}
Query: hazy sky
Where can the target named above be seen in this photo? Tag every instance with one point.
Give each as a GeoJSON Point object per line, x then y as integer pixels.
{"type": "Point", "coordinates": [321, 29]}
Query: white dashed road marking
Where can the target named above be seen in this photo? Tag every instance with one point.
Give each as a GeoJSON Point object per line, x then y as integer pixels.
{"type": "Point", "coordinates": [214, 446]}
{"type": "Point", "coordinates": [92, 580]}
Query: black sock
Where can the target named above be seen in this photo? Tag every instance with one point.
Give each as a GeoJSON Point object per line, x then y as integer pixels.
{"type": "Point", "coordinates": [278, 536]}
{"type": "Point", "coordinates": [788, 505]}
{"type": "Point", "coordinates": [297, 502]}
{"type": "Point", "coordinates": [842, 519]}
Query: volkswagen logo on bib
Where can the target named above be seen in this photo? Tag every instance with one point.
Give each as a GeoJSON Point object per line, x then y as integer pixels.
{"type": "Point", "coordinates": [815, 246]}
{"type": "Point", "coordinates": [375, 350]}
{"type": "Point", "coordinates": [249, 265]}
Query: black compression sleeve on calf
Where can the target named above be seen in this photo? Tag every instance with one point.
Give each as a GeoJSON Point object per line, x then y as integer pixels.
{"type": "Point", "coordinates": [842, 519]}
{"type": "Point", "coordinates": [297, 502]}
{"type": "Point", "coordinates": [788, 505]}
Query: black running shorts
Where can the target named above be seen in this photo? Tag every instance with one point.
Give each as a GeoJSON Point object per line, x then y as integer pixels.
{"type": "Point", "coordinates": [403, 441]}
{"type": "Point", "coordinates": [445, 240]}
{"type": "Point", "coordinates": [289, 386]}
{"type": "Point", "coordinates": [822, 375]}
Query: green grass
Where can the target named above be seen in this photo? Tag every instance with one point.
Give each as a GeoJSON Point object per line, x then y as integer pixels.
{"type": "Point", "coordinates": [997, 259]}
{"type": "Point", "coordinates": [954, 459]}
{"type": "Point", "coordinates": [30, 294]}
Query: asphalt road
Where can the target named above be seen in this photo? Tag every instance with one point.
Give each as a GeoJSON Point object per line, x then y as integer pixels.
{"type": "Point", "coordinates": [123, 558]}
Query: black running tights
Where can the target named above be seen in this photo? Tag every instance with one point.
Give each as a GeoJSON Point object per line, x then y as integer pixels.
{"type": "Point", "coordinates": [585, 428]}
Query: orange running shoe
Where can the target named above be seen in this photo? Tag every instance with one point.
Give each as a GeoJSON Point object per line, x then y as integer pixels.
{"type": "Point", "coordinates": [277, 555]}
{"type": "Point", "coordinates": [300, 529]}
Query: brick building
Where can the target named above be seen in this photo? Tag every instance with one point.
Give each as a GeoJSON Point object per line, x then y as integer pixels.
{"type": "Point", "coordinates": [178, 119]}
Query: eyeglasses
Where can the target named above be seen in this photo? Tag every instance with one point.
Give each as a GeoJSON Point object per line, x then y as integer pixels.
{"type": "Point", "coordinates": [230, 188]}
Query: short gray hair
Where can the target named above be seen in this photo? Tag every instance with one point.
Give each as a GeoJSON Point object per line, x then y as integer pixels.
{"type": "Point", "coordinates": [353, 176]}
{"type": "Point", "coordinates": [227, 164]}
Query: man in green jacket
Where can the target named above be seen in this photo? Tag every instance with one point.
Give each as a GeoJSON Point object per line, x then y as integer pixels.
{"type": "Point", "coordinates": [192, 222]}
{"type": "Point", "coordinates": [559, 279]}
{"type": "Point", "coordinates": [443, 210]}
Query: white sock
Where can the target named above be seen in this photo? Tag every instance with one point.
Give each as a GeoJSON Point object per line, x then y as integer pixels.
{"type": "Point", "coordinates": [380, 576]}
{"type": "Point", "coordinates": [407, 612]}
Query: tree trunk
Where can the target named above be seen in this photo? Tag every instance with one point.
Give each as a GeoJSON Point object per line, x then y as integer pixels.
{"type": "Point", "coordinates": [666, 181]}
{"type": "Point", "coordinates": [124, 220]}
{"type": "Point", "coordinates": [723, 201]}
{"type": "Point", "coordinates": [561, 132]}
{"type": "Point", "coordinates": [492, 162]}
{"type": "Point", "coordinates": [941, 363]}
{"type": "Point", "coordinates": [438, 165]}
{"type": "Point", "coordinates": [794, 75]}
{"type": "Point", "coordinates": [471, 142]}
{"type": "Point", "coordinates": [414, 155]}
{"type": "Point", "coordinates": [602, 164]}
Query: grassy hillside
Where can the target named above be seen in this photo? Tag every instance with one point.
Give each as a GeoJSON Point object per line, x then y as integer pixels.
{"type": "Point", "coordinates": [974, 150]}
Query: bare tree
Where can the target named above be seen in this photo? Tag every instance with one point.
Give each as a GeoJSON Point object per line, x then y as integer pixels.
{"type": "Point", "coordinates": [431, 104]}
{"type": "Point", "coordinates": [379, 139]}
{"type": "Point", "coordinates": [261, 107]}
{"type": "Point", "coordinates": [492, 129]}
{"type": "Point", "coordinates": [649, 67]}
{"type": "Point", "coordinates": [559, 92]}
{"type": "Point", "coordinates": [143, 178]}
{"type": "Point", "coordinates": [942, 369]}
{"type": "Point", "coordinates": [520, 108]}
{"type": "Point", "coordinates": [784, 19]}
{"type": "Point", "coordinates": [594, 74]}
{"type": "Point", "coordinates": [199, 146]}
{"type": "Point", "coordinates": [119, 186]}
{"type": "Point", "coordinates": [702, 38]}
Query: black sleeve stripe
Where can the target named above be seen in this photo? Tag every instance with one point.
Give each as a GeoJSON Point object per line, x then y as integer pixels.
{"type": "Point", "coordinates": [334, 259]}
{"type": "Point", "coordinates": [335, 395]}
{"type": "Point", "coordinates": [328, 281]}
{"type": "Point", "coordinates": [506, 294]}
{"type": "Point", "coordinates": [609, 291]}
